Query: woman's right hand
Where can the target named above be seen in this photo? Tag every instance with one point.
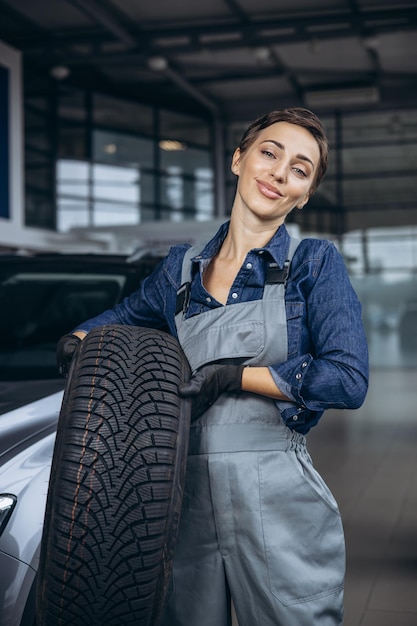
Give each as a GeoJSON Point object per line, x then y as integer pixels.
{"type": "Point", "coordinates": [65, 350]}
{"type": "Point", "coordinates": [208, 383]}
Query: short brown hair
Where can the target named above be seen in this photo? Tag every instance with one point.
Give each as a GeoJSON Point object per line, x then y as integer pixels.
{"type": "Point", "coordinates": [300, 117]}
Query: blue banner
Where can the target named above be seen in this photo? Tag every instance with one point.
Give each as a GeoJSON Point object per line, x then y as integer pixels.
{"type": "Point", "coordinates": [4, 144]}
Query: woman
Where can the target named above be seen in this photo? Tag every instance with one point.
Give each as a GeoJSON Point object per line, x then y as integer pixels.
{"type": "Point", "coordinates": [273, 333]}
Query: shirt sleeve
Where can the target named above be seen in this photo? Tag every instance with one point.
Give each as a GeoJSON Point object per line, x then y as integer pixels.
{"type": "Point", "coordinates": [334, 373]}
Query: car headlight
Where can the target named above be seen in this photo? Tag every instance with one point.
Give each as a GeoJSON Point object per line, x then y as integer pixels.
{"type": "Point", "coordinates": [7, 504]}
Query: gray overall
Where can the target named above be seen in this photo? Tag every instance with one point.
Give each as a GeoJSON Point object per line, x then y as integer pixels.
{"type": "Point", "coordinates": [258, 522]}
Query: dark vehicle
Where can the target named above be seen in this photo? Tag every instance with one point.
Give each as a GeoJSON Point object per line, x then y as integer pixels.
{"type": "Point", "coordinates": [42, 297]}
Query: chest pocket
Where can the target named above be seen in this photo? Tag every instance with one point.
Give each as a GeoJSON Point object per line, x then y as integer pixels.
{"type": "Point", "coordinates": [232, 333]}
{"type": "Point", "coordinates": [294, 313]}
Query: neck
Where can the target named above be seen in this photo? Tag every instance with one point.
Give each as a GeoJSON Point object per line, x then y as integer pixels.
{"type": "Point", "coordinates": [243, 237]}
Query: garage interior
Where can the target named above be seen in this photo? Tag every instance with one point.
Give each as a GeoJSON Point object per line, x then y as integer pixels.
{"type": "Point", "coordinates": [124, 116]}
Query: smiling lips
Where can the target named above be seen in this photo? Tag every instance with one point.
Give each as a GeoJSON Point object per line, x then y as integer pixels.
{"type": "Point", "coordinates": [268, 190]}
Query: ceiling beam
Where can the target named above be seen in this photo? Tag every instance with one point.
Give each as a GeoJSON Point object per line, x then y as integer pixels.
{"type": "Point", "coordinates": [98, 12]}
{"type": "Point", "coordinates": [171, 39]}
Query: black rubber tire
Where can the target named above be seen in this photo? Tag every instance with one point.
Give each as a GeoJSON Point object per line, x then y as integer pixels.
{"type": "Point", "coordinates": [116, 483]}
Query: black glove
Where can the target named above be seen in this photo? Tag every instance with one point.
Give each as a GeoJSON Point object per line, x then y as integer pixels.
{"type": "Point", "coordinates": [208, 383]}
{"type": "Point", "coordinates": [65, 349]}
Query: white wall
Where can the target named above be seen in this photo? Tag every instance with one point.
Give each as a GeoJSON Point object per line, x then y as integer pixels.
{"type": "Point", "coordinates": [10, 59]}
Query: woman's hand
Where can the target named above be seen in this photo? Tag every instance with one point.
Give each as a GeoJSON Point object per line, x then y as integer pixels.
{"type": "Point", "coordinates": [259, 380]}
{"type": "Point", "coordinates": [208, 383]}
{"type": "Point", "coordinates": [65, 350]}
{"type": "Point", "coordinates": [212, 380]}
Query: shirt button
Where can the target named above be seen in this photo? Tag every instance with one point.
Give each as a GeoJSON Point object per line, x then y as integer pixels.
{"type": "Point", "coordinates": [295, 418]}
{"type": "Point", "coordinates": [208, 299]}
{"type": "Point", "coordinates": [234, 295]}
{"type": "Point", "coordinates": [304, 364]}
{"type": "Point", "coordinates": [298, 376]}
{"type": "Point", "coordinates": [248, 266]}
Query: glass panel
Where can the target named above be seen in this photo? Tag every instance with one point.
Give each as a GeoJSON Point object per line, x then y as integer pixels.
{"type": "Point", "coordinates": [116, 213]}
{"type": "Point", "coordinates": [123, 115]}
{"type": "Point", "coordinates": [72, 178]}
{"type": "Point", "coordinates": [116, 183]}
{"type": "Point", "coordinates": [380, 127]}
{"type": "Point", "coordinates": [379, 160]}
{"type": "Point", "coordinates": [379, 191]}
{"type": "Point", "coordinates": [192, 197]}
{"type": "Point", "coordinates": [117, 148]}
{"type": "Point", "coordinates": [204, 194]}
{"type": "Point", "coordinates": [72, 142]}
{"type": "Point", "coordinates": [39, 165]}
{"type": "Point", "coordinates": [184, 128]}
{"type": "Point", "coordinates": [73, 191]}
{"type": "Point", "coordinates": [39, 210]}
{"type": "Point", "coordinates": [37, 140]}
{"type": "Point", "coordinates": [147, 189]}
{"type": "Point", "coordinates": [329, 127]}
{"type": "Point", "coordinates": [72, 213]}
{"type": "Point", "coordinates": [189, 159]}
{"type": "Point", "coordinates": [187, 183]}
{"type": "Point", "coordinates": [116, 192]}
{"type": "Point", "coordinates": [383, 268]}
{"type": "Point", "coordinates": [39, 177]}
{"type": "Point", "coordinates": [72, 104]}
{"type": "Point", "coordinates": [173, 188]}
{"type": "Point", "coordinates": [234, 134]}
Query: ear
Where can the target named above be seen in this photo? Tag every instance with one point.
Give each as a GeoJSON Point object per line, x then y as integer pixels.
{"type": "Point", "coordinates": [304, 201]}
{"type": "Point", "coordinates": [235, 162]}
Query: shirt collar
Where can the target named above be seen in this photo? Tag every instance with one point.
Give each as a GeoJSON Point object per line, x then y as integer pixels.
{"type": "Point", "coordinates": [277, 247]}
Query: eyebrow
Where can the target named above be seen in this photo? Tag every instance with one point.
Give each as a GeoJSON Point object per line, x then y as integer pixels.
{"type": "Point", "coordinates": [281, 146]}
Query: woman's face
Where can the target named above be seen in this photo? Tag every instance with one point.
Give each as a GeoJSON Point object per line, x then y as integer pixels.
{"type": "Point", "coordinates": [276, 172]}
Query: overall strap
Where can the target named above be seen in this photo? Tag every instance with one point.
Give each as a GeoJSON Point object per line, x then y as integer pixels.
{"type": "Point", "coordinates": [183, 293]}
{"type": "Point", "coordinates": [274, 275]}
{"type": "Point", "coordinates": [278, 275]}
{"type": "Point", "coordinates": [186, 264]}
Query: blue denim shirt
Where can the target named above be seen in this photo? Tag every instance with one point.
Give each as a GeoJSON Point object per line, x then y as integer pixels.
{"type": "Point", "coordinates": [327, 364]}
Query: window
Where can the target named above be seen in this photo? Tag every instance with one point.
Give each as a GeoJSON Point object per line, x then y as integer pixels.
{"type": "Point", "coordinates": [96, 195]}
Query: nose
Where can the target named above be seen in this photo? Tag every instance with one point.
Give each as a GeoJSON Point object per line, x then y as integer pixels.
{"type": "Point", "coordinates": [279, 170]}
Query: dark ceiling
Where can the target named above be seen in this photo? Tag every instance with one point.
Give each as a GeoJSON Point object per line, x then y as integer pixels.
{"type": "Point", "coordinates": [231, 58]}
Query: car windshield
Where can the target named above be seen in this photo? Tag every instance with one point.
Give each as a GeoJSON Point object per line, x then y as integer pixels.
{"type": "Point", "coordinates": [38, 308]}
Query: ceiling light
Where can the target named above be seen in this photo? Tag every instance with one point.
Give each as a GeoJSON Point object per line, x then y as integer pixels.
{"type": "Point", "coordinates": [110, 148]}
{"type": "Point", "coordinates": [262, 54]}
{"type": "Point", "coordinates": [171, 145]}
{"type": "Point", "coordinates": [60, 72]}
{"type": "Point", "coordinates": [157, 64]}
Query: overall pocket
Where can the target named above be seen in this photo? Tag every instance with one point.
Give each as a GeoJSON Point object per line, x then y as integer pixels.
{"type": "Point", "coordinates": [303, 533]}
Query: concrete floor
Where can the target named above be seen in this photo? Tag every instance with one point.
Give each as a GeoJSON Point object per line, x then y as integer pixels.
{"type": "Point", "coordinates": [368, 458]}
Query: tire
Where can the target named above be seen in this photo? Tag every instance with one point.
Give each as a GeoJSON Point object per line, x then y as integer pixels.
{"type": "Point", "coordinates": [116, 485]}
